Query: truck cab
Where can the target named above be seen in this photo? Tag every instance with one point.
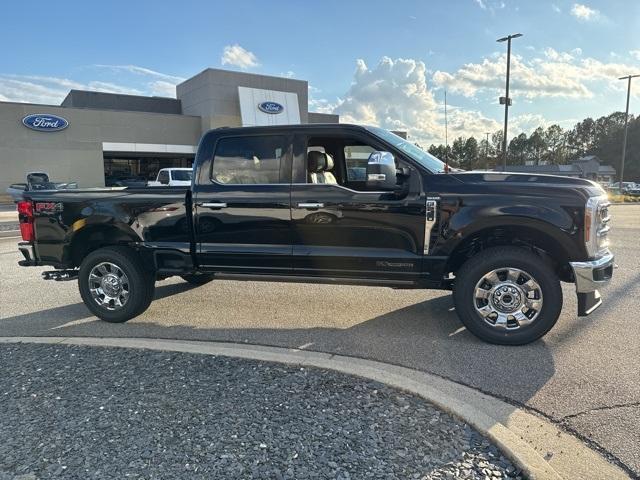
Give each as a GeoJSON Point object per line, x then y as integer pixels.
{"type": "Point", "coordinates": [341, 204]}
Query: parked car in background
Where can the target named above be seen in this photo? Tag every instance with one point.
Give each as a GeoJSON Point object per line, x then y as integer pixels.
{"type": "Point", "coordinates": [173, 177]}
{"type": "Point", "coordinates": [37, 181]}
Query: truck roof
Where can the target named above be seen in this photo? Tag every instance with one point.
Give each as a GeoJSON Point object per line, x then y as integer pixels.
{"type": "Point", "coordinates": [300, 126]}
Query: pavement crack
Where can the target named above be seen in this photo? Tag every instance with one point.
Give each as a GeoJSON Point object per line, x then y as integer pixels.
{"type": "Point", "coordinates": [599, 409]}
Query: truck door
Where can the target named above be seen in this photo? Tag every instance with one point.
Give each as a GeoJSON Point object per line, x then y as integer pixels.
{"type": "Point", "coordinates": [242, 205]}
{"type": "Point", "coordinates": [341, 229]}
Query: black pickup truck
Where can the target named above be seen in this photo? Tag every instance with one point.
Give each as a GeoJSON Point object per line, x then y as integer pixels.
{"type": "Point", "coordinates": [338, 204]}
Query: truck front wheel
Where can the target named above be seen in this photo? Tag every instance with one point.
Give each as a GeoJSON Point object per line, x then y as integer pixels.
{"type": "Point", "coordinates": [114, 284]}
{"type": "Point", "coordinates": [507, 295]}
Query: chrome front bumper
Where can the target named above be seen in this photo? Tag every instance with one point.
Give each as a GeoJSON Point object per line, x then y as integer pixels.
{"type": "Point", "coordinates": [589, 276]}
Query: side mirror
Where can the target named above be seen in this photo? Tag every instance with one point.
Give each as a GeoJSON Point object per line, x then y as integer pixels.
{"type": "Point", "coordinates": [381, 171]}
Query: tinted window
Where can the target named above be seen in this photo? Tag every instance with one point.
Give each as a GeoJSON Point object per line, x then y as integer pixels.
{"type": "Point", "coordinates": [182, 175]}
{"type": "Point", "coordinates": [249, 160]}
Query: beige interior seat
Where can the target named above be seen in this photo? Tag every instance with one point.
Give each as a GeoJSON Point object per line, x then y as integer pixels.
{"type": "Point", "coordinates": [319, 165]}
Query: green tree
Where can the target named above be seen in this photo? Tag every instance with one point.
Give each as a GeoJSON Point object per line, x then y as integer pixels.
{"type": "Point", "coordinates": [555, 138]}
{"type": "Point", "coordinates": [517, 151]}
{"type": "Point", "coordinates": [458, 151]}
{"type": "Point", "coordinates": [536, 146]}
{"type": "Point", "coordinates": [470, 155]}
{"type": "Point", "coordinates": [583, 137]}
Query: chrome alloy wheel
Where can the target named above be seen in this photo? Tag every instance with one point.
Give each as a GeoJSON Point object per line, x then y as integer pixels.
{"type": "Point", "coordinates": [508, 298]}
{"type": "Point", "coordinates": [109, 286]}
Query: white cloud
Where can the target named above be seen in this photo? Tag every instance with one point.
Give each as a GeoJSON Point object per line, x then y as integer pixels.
{"type": "Point", "coordinates": [394, 94]}
{"type": "Point", "coordinates": [585, 13]}
{"type": "Point", "coordinates": [163, 88]}
{"type": "Point", "coordinates": [556, 8]}
{"type": "Point", "coordinates": [491, 5]}
{"type": "Point", "coordinates": [635, 54]}
{"type": "Point", "coordinates": [527, 123]}
{"type": "Point", "coordinates": [135, 69]}
{"type": "Point", "coordinates": [52, 90]}
{"type": "Point", "coordinates": [551, 54]}
{"type": "Point", "coordinates": [237, 56]}
{"type": "Point", "coordinates": [557, 74]}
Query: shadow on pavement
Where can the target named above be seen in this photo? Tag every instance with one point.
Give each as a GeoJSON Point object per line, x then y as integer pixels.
{"type": "Point", "coordinates": [426, 336]}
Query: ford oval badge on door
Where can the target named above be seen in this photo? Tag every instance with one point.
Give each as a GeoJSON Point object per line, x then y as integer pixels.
{"type": "Point", "coordinates": [43, 122]}
{"type": "Point", "coordinates": [270, 107]}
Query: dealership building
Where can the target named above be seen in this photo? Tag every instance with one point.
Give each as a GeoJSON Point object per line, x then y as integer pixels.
{"type": "Point", "coordinates": [93, 136]}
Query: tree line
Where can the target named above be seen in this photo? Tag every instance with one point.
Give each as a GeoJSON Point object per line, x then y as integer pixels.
{"type": "Point", "coordinates": [552, 145]}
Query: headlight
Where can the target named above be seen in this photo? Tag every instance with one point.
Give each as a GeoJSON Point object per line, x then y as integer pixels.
{"type": "Point", "coordinates": [596, 225]}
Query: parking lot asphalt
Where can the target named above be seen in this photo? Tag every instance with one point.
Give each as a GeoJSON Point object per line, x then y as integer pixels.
{"type": "Point", "coordinates": [583, 375]}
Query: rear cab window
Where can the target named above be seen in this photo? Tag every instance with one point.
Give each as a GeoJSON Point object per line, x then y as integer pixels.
{"type": "Point", "coordinates": [260, 159]}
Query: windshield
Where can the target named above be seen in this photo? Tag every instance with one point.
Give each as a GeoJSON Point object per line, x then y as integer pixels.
{"type": "Point", "coordinates": [425, 159]}
{"type": "Point", "coordinates": [182, 175]}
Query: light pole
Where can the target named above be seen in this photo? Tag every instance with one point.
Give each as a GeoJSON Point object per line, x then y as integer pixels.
{"type": "Point", "coordinates": [486, 152]}
{"type": "Point", "coordinates": [506, 100]}
{"type": "Point", "coordinates": [626, 126]}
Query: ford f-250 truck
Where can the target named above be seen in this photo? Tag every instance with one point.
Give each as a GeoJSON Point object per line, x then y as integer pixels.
{"type": "Point", "coordinates": [338, 204]}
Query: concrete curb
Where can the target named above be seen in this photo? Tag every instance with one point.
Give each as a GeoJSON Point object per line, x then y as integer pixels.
{"type": "Point", "coordinates": [9, 216]}
{"type": "Point", "coordinates": [535, 445]}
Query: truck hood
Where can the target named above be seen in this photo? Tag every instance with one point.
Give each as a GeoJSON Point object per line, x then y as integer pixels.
{"type": "Point", "coordinates": [527, 179]}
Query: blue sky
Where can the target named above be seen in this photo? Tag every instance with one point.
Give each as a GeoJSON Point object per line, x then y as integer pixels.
{"type": "Point", "coordinates": [371, 61]}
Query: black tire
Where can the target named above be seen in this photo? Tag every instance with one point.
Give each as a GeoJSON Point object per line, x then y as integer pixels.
{"type": "Point", "coordinates": [507, 257]}
{"type": "Point", "coordinates": [198, 278]}
{"type": "Point", "coordinates": [141, 283]}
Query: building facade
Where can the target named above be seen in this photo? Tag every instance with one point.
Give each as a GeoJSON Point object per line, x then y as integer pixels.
{"type": "Point", "coordinates": [96, 138]}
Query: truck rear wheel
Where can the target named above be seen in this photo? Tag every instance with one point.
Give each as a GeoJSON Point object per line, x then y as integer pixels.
{"type": "Point", "coordinates": [114, 284]}
{"type": "Point", "coordinates": [507, 295]}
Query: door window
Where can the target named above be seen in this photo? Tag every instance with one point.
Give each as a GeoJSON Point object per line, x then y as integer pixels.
{"type": "Point", "coordinates": [163, 177]}
{"type": "Point", "coordinates": [355, 158]}
{"type": "Point", "coordinates": [250, 160]}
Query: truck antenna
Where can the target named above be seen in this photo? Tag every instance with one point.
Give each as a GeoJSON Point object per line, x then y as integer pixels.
{"type": "Point", "coordinates": [446, 136]}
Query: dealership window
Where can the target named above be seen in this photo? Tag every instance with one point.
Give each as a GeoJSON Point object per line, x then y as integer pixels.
{"type": "Point", "coordinates": [123, 168]}
{"type": "Point", "coordinates": [250, 160]}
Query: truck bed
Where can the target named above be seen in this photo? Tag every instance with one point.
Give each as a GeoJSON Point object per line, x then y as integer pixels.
{"type": "Point", "coordinates": [153, 216]}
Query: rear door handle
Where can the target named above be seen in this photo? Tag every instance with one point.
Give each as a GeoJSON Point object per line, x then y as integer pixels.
{"type": "Point", "coordinates": [214, 204]}
{"type": "Point", "coordinates": [310, 205]}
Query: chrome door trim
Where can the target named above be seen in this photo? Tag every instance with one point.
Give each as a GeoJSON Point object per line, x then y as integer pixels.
{"type": "Point", "coordinates": [310, 205]}
{"type": "Point", "coordinates": [213, 204]}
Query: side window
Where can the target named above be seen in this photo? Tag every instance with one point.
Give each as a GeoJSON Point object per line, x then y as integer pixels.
{"type": "Point", "coordinates": [250, 160]}
{"type": "Point", "coordinates": [355, 158]}
{"type": "Point", "coordinates": [163, 177]}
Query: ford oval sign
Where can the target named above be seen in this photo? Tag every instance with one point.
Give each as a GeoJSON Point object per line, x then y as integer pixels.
{"type": "Point", "coordinates": [270, 107]}
{"type": "Point", "coordinates": [43, 122]}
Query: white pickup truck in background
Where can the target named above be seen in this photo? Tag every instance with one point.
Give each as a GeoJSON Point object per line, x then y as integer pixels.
{"type": "Point", "coordinates": [172, 177]}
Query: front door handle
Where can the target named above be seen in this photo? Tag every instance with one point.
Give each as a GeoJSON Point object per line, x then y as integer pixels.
{"type": "Point", "coordinates": [310, 205]}
{"type": "Point", "coordinates": [214, 204]}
